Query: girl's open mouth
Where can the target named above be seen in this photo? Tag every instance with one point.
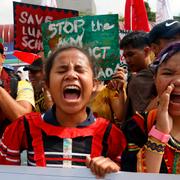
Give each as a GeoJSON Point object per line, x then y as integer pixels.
{"type": "Point", "coordinates": [72, 92]}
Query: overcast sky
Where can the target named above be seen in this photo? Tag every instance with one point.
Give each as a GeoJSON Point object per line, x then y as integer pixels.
{"type": "Point", "coordinates": [117, 6]}
{"type": "Point", "coordinates": [103, 7]}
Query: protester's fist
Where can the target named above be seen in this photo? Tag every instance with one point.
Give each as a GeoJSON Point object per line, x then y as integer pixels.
{"type": "Point", "coordinates": [118, 81]}
{"type": "Point", "coordinates": [164, 120]}
{"type": "Point", "coordinates": [101, 165]}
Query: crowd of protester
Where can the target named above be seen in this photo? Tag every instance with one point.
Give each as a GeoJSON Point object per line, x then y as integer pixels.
{"type": "Point", "coordinates": [63, 116]}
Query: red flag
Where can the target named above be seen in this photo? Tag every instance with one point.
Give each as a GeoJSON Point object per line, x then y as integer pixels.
{"type": "Point", "coordinates": [26, 56]}
{"type": "Point", "coordinates": [136, 16]}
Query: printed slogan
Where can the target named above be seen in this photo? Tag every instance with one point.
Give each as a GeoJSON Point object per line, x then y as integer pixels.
{"type": "Point", "coordinates": [27, 24]}
{"type": "Point", "coordinates": [98, 34]}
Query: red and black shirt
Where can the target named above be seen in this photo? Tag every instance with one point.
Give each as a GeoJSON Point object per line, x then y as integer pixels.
{"type": "Point", "coordinates": [50, 144]}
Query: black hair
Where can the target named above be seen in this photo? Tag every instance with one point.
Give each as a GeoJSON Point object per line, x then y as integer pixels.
{"type": "Point", "coordinates": [137, 39]}
{"type": "Point", "coordinates": [50, 60]}
{"type": "Point", "coordinates": [164, 55]}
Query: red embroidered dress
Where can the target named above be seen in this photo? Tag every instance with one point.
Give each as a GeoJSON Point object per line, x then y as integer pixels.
{"type": "Point", "coordinates": [136, 131]}
{"type": "Point", "coordinates": [49, 144]}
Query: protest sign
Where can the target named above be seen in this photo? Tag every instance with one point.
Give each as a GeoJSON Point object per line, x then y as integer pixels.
{"type": "Point", "coordinates": [27, 24]}
{"type": "Point", "coordinates": [98, 34]}
{"type": "Point", "coordinates": [36, 173]}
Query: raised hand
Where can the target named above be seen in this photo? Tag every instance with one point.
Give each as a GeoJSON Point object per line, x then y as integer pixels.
{"type": "Point", "coordinates": [118, 81]}
{"type": "Point", "coordinates": [101, 165]}
{"type": "Point", "coordinates": [164, 120]}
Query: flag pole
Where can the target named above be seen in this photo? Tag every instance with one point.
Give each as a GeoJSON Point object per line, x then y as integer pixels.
{"type": "Point", "coordinates": [131, 8]}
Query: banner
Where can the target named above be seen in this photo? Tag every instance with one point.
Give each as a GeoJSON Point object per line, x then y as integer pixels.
{"type": "Point", "coordinates": [98, 34]}
{"type": "Point", "coordinates": [37, 173]}
{"type": "Point", "coordinates": [27, 24]}
{"type": "Point", "coordinates": [8, 50]}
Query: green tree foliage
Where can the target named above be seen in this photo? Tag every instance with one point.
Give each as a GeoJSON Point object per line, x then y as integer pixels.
{"type": "Point", "coordinates": [177, 18]}
{"type": "Point", "coordinates": [151, 15]}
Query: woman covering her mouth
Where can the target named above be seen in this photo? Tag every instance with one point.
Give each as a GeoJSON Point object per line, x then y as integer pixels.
{"type": "Point", "coordinates": [155, 136]}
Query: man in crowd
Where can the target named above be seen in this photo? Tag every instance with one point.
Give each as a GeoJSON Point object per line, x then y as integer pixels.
{"type": "Point", "coordinates": [16, 97]}
{"type": "Point", "coordinates": [42, 96]}
{"type": "Point", "coordinates": [137, 53]}
{"type": "Point", "coordinates": [162, 34]}
{"type": "Point", "coordinates": [141, 89]}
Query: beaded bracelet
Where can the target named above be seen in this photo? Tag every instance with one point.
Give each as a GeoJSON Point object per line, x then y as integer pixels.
{"type": "Point", "coordinates": [154, 146]}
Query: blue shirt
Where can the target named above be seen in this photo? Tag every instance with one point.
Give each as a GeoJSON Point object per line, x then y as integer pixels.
{"type": "Point", "coordinates": [50, 117]}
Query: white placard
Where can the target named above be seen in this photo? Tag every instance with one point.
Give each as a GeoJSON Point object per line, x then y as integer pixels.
{"type": "Point", "coordinates": [36, 173]}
